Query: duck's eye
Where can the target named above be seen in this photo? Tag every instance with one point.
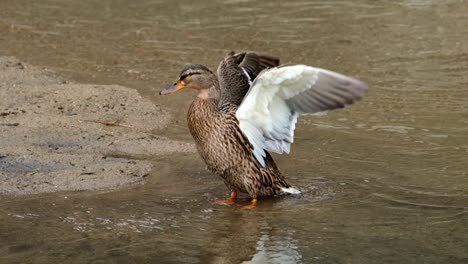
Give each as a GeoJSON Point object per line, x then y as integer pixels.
{"type": "Point", "coordinates": [188, 74]}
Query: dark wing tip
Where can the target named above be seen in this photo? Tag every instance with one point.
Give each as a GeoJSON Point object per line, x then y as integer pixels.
{"type": "Point", "coordinates": [330, 91]}
{"type": "Point", "coordinates": [268, 61]}
{"type": "Point", "coordinates": [358, 88]}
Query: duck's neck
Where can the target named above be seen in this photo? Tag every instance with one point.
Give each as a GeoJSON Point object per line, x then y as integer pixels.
{"type": "Point", "coordinates": [212, 92]}
{"type": "Point", "coordinates": [208, 94]}
{"type": "Point", "coordinates": [200, 116]}
{"type": "Point", "coordinates": [204, 94]}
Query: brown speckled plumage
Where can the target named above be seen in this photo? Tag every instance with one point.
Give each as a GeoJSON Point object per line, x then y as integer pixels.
{"type": "Point", "coordinates": [213, 124]}
{"type": "Point", "coordinates": [235, 120]}
{"type": "Point", "coordinates": [219, 140]}
{"type": "Point", "coordinates": [228, 153]}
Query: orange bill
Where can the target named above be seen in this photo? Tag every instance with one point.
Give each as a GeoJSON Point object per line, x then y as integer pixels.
{"type": "Point", "coordinates": [172, 88]}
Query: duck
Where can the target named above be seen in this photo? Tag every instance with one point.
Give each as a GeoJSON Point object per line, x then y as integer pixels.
{"type": "Point", "coordinates": [249, 108]}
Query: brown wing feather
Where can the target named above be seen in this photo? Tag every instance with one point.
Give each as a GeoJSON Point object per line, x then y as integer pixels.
{"type": "Point", "coordinates": [264, 181]}
{"type": "Point", "coordinates": [233, 81]}
{"type": "Point", "coordinates": [254, 63]}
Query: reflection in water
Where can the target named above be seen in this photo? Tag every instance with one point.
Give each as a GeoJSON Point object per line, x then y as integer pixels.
{"type": "Point", "coordinates": [275, 250]}
{"type": "Point", "coordinates": [384, 183]}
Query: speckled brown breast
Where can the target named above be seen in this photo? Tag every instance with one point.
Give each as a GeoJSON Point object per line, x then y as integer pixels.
{"type": "Point", "coordinates": [227, 152]}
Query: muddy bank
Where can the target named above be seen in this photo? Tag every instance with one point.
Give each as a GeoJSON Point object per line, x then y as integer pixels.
{"type": "Point", "coordinates": [62, 136]}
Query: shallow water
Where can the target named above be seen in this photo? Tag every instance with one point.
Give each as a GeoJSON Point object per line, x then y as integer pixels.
{"type": "Point", "coordinates": [384, 181]}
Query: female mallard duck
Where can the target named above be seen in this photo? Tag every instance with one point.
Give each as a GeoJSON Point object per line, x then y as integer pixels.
{"type": "Point", "coordinates": [251, 107]}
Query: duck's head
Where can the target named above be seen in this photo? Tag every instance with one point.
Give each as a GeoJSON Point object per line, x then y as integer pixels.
{"type": "Point", "coordinates": [195, 76]}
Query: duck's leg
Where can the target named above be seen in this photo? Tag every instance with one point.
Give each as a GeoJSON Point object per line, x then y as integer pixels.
{"type": "Point", "coordinates": [229, 201]}
{"type": "Point", "coordinates": [252, 204]}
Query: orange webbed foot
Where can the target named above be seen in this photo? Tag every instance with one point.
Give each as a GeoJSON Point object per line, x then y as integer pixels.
{"type": "Point", "coordinates": [229, 201]}
{"type": "Point", "coordinates": [252, 205]}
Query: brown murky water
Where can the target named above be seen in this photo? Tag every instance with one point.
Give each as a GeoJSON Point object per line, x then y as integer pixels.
{"type": "Point", "coordinates": [384, 181]}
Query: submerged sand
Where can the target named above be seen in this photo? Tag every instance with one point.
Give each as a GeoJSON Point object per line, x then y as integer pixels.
{"type": "Point", "coordinates": [62, 136]}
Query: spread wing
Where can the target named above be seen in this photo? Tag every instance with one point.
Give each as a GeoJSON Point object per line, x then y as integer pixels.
{"type": "Point", "coordinates": [269, 111]}
{"type": "Point", "coordinates": [236, 72]}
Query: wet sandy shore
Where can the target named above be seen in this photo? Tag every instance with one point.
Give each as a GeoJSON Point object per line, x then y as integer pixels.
{"type": "Point", "coordinates": [63, 136]}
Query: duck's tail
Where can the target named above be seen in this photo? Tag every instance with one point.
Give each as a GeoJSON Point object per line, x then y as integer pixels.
{"type": "Point", "coordinates": [290, 190]}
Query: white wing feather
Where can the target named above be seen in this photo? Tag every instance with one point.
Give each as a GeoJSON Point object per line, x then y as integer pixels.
{"type": "Point", "coordinates": [269, 112]}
